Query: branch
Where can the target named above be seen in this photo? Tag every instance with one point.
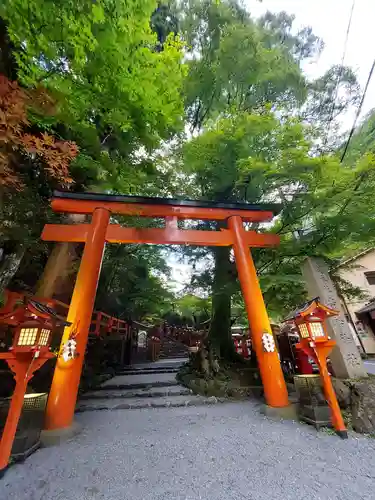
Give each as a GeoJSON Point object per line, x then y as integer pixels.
{"type": "Point", "coordinates": [356, 187]}
{"type": "Point", "coordinates": [50, 72]}
{"type": "Point", "coordinates": [286, 224]}
{"type": "Point", "coordinates": [106, 137]}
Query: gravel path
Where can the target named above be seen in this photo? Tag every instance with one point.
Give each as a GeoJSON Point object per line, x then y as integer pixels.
{"type": "Point", "coordinates": [226, 452]}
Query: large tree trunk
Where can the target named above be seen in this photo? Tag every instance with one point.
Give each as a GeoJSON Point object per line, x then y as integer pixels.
{"type": "Point", "coordinates": [57, 274]}
{"type": "Point", "coordinates": [220, 328]}
{"type": "Point", "coordinates": [9, 266]}
{"type": "Point", "coordinates": [58, 278]}
{"type": "Point", "coordinates": [8, 65]}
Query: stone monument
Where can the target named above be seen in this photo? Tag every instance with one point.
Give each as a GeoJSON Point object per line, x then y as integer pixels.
{"type": "Point", "coordinates": [345, 357]}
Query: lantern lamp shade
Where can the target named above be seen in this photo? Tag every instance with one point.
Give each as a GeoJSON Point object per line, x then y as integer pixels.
{"type": "Point", "coordinates": [32, 334]}
{"type": "Point", "coordinates": [44, 337]}
{"type": "Point", "coordinates": [27, 336]}
{"type": "Point", "coordinates": [303, 331]}
{"type": "Point", "coordinates": [317, 330]}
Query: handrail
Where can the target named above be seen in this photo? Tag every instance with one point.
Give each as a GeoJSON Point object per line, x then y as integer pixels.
{"type": "Point", "coordinates": [101, 323]}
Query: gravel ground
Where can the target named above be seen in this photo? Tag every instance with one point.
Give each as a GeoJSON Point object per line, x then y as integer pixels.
{"type": "Point", "coordinates": [226, 452]}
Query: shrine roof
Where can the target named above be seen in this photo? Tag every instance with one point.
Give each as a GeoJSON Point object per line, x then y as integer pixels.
{"type": "Point", "coordinates": [309, 307]}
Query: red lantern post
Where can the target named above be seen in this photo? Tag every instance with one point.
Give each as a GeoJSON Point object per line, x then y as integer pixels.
{"type": "Point", "coordinates": [34, 323]}
{"type": "Point", "coordinates": [315, 342]}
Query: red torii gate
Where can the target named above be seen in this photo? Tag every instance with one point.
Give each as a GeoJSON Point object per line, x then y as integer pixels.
{"type": "Point", "coordinates": [64, 389]}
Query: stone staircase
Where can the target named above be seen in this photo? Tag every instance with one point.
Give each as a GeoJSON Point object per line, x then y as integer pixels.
{"type": "Point", "coordinates": [173, 349]}
{"type": "Point", "coordinates": [146, 385]}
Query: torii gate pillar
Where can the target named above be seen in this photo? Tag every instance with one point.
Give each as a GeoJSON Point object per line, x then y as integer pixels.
{"type": "Point", "coordinates": [274, 386]}
{"type": "Point", "coordinates": [65, 383]}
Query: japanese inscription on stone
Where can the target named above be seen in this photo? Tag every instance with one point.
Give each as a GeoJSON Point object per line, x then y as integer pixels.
{"type": "Point", "coordinates": [346, 359]}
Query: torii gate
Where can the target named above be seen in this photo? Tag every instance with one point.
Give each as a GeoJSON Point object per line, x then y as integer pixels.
{"type": "Point", "coordinates": [64, 389]}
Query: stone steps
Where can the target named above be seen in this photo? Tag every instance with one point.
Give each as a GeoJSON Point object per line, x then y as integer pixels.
{"type": "Point", "coordinates": [146, 371]}
{"type": "Point", "coordinates": [145, 392]}
{"type": "Point", "coordinates": [170, 348]}
{"type": "Point", "coordinates": [148, 385]}
{"type": "Point", "coordinates": [169, 364]}
{"type": "Point", "coordinates": [140, 385]}
{"type": "Point", "coordinates": [139, 403]}
{"type": "Point", "coordinates": [174, 354]}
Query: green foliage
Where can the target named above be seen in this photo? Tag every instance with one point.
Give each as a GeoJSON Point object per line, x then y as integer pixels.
{"type": "Point", "coordinates": [192, 309]}
{"type": "Point", "coordinates": [277, 31]}
{"type": "Point", "coordinates": [235, 63]}
{"type": "Point", "coordinates": [131, 283]}
{"type": "Point", "coordinates": [260, 124]}
{"type": "Point", "coordinates": [363, 140]}
{"type": "Point", "coordinates": [115, 93]}
{"type": "Point", "coordinates": [282, 291]}
{"type": "Point", "coordinates": [328, 97]}
{"type": "Point", "coordinates": [252, 157]}
{"type": "Point", "coordinates": [246, 156]}
{"type": "Point", "coordinates": [121, 72]}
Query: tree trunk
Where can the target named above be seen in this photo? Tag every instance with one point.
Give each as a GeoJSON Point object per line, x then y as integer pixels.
{"type": "Point", "coordinates": [59, 274]}
{"type": "Point", "coordinates": [9, 266]}
{"type": "Point", "coordinates": [220, 328]}
{"type": "Point", "coordinates": [8, 65]}
{"type": "Point", "coordinates": [57, 271]}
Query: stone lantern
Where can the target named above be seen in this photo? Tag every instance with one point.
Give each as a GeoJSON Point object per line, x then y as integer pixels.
{"type": "Point", "coordinates": [314, 341]}
{"type": "Point", "coordinates": [33, 323]}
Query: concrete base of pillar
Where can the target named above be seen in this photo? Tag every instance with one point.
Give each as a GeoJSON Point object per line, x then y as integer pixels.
{"type": "Point", "coordinates": [289, 412]}
{"type": "Point", "coordinates": [3, 471]}
{"type": "Point", "coordinates": [342, 434]}
{"type": "Point", "coordinates": [58, 436]}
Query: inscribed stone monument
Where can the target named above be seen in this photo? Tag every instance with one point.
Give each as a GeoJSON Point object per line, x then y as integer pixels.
{"type": "Point", "coordinates": [345, 357]}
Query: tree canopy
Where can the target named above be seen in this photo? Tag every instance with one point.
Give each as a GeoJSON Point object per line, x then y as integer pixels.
{"type": "Point", "coordinates": [111, 93]}
{"type": "Point", "coordinates": [114, 91]}
{"type": "Point", "coordinates": [187, 98]}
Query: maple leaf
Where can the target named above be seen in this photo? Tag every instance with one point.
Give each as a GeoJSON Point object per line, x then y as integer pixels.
{"type": "Point", "coordinates": [7, 176]}
{"type": "Point", "coordinates": [55, 155]}
{"type": "Point", "coordinates": [48, 139]}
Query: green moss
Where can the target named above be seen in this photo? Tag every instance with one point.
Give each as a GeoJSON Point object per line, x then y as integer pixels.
{"type": "Point", "coordinates": [328, 430]}
{"type": "Point", "coordinates": [237, 381]}
{"type": "Point", "coordinates": [347, 416]}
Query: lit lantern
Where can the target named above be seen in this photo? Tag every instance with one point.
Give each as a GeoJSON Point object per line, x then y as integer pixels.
{"type": "Point", "coordinates": [33, 324]}
{"type": "Point", "coordinates": [315, 342]}
{"type": "Point", "coordinates": [310, 318]}
{"type": "Point", "coordinates": [32, 334]}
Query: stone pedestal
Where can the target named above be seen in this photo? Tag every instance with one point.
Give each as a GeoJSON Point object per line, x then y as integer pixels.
{"type": "Point", "coordinates": [345, 357]}
{"type": "Point", "coordinates": [59, 436]}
